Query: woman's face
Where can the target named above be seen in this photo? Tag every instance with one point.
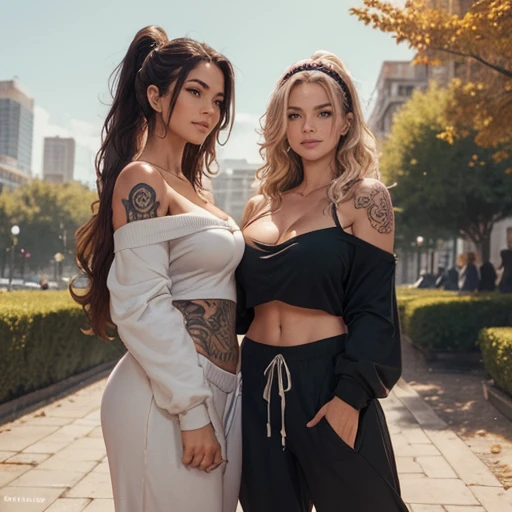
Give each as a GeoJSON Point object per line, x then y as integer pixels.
{"type": "Point", "coordinates": [313, 131]}
{"type": "Point", "coordinates": [198, 107]}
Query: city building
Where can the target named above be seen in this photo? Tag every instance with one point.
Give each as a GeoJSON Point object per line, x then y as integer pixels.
{"type": "Point", "coordinates": [234, 185]}
{"type": "Point", "coordinates": [16, 133]}
{"type": "Point", "coordinates": [396, 82]}
{"type": "Point", "coordinates": [59, 159]}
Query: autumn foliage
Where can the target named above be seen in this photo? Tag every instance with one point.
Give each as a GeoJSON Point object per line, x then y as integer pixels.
{"type": "Point", "coordinates": [476, 46]}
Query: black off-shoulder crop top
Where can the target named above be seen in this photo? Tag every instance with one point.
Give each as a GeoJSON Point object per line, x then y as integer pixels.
{"type": "Point", "coordinates": [343, 275]}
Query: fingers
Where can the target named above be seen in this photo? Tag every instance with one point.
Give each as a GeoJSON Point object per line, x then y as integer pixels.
{"type": "Point", "coordinates": [201, 449]}
{"type": "Point", "coordinates": [207, 459]}
{"type": "Point", "coordinates": [319, 415]}
{"type": "Point", "coordinates": [204, 459]}
{"type": "Point", "coordinates": [217, 461]}
{"type": "Point", "coordinates": [188, 455]}
{"type": "Point", "coordinates": [197, 461]}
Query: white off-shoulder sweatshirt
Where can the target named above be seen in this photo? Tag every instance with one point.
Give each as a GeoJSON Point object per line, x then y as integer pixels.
{"type": "Point", "coordinates": [180, 257]}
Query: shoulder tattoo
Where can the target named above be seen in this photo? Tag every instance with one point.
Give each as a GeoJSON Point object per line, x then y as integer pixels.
{"type": "Point", "coordinates": [141, 203]}
{"type": "Point", "coordinates": [378, 207]}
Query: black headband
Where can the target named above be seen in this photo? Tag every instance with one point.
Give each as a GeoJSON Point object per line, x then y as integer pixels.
{"type": "Point", "coordinates": [314, 66]}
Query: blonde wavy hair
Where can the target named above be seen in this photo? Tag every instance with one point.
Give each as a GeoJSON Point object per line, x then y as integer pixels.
{"type": "Point", "coordinates": [356, 155]}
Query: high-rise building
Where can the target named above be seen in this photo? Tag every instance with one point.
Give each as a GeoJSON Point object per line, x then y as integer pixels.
{"type": "Point", "coordinates": [59, 159]}
{"type": "Point", "coordinates": [234, 185]}
{"type": "Point", "coordinates": [396, 83]}
{"type": "Point", "coordinates": [16, 131]}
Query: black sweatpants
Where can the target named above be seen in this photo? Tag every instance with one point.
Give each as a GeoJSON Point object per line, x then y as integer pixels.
{"type": "Point", "coordinates": [316, 467]}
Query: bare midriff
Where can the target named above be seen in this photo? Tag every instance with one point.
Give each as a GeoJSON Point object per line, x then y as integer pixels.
{"type": "Point", "coordinates": [279, 324]}
{"type": "Point", "coordinates": [211, 324]}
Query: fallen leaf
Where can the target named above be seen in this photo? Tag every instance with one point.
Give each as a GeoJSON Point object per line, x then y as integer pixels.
{"type": "Point", "coordinates": [496, 448]}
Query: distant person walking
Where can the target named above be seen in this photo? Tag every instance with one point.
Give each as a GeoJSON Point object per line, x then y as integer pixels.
{"type": "Point", "coordinates": [469, 278]}
{"type": "Point", "coordinates": [487, 277]}
{"type": "Point", "coordinates": [505, 285]}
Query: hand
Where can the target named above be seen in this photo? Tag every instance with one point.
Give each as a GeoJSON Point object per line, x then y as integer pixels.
{"type": "Point", "coordinates": [343, 419]}
{"type": "Point", "coordinates": [201, 449]}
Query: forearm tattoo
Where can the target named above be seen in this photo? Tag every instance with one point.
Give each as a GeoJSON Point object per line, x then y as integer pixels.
{"type": "Point", "coordinates": [211, 324]}
{"type": "Point", "coordinates": [378, 207]}
{"type": "Point", "coordinates": [141, 203]}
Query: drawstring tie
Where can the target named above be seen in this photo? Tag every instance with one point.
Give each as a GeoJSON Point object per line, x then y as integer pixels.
{"type": "Point", "coordinates": [279, 363]}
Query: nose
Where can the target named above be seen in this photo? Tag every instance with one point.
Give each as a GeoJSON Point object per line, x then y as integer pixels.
{"type": "Point", "coordinates": [308, 126]}
{"type": "Point", "coordinates": [208, 108]}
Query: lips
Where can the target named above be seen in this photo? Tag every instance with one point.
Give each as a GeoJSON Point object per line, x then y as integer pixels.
{"type": "Point", "coordinates": [310, 143]}
{"type": "Point", "coordinates": [202, 124]}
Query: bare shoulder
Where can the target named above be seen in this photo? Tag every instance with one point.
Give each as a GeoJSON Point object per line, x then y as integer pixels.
{"type": "Point", "coordinates": [253, 207]}
{"type": "Point", "coordinates": [140, 193]}
{"type": "Point", "coordinates": [374, 220]}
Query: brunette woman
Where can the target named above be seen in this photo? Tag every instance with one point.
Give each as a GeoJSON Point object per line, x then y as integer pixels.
{"type": "Point", "coordinates": [160, 259]}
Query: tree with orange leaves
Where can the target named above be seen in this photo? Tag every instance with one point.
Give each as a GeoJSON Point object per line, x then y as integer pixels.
{"type": "Point", "coordinates": [482, 38]}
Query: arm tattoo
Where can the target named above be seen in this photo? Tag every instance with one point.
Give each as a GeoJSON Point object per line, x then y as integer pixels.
{"type": "Point", "coordinates": [141, 203]}
{"type": "Point", "coordinates": [378, 207]}
{"type": "Point", "coordinates": [211, 324]}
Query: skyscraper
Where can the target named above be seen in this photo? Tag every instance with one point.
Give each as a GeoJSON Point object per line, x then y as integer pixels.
{"type": "Point", "coordinates": [16, 130]}
{"type": "Point", "coordinates": [59, 159]}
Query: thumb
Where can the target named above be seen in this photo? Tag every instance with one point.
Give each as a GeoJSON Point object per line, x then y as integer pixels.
{"type": "Point", "coordinates": [319, 415]}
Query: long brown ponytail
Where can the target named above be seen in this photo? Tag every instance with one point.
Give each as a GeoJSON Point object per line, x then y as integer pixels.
{"type": "Point", "coordinates": [151, 60]}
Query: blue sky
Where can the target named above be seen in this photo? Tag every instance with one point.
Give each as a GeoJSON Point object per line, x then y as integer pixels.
{"type": "Point", "coordinates": [64, 50]}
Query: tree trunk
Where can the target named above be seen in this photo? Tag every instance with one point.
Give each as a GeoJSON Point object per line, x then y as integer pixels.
{"type": "Point", "coordinates": [485, 248]}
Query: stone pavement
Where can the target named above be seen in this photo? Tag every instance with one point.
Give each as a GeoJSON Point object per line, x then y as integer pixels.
{"type": "Point", "coordinates": [54, 459]}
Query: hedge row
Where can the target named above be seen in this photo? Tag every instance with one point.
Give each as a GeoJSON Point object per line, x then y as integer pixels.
{"type": "Point", "coordinates": [41, 342]}
{"type": "Point", "coordinates": [496, 346]}
{"type": "Point", "coordinates": [449, 322]}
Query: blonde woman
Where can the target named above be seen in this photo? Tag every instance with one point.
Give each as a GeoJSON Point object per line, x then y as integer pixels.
{"type": "Point", "coordinates": [317, 304]}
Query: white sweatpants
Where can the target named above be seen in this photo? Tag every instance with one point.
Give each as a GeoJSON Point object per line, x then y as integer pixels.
{"type": "Point", "coordinates": [144, 446]}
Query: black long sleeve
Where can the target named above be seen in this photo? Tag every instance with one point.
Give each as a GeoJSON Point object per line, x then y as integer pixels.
{"type": "Point", "coordinates": [244, 315]}
{"type": "Point", "coordinates": [371, 363]}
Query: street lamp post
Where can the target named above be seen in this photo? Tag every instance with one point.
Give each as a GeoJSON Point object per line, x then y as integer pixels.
{"type": "Point", "coordinates": [15, 231]}
{"type": "Point", "coordinates": [58, 262]}
{"type": "Point", "coordinates": [419, 243]}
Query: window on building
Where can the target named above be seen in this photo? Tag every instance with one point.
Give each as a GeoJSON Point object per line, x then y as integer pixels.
{"type": "Point", "coordinates": [405, 90]}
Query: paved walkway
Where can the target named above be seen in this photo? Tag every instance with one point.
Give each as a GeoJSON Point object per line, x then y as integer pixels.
{"type": "Point", "coordinates": [54, 460]}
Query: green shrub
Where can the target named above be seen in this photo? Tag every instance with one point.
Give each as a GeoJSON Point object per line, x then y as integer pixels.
{"type": "Point", "coordinates": [41, 342]}
{"type": "Point", "coordinates": [407, 291]}
{"type": "Point", "coordinates": [496, 346]}
{"type": "Point", "coordinates": [451, 323]}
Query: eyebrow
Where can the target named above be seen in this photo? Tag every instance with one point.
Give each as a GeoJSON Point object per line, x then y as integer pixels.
{"type": "Point", "coordinates": [204, 85]}
{"type": "Point", "coordinates": [319, 107]}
